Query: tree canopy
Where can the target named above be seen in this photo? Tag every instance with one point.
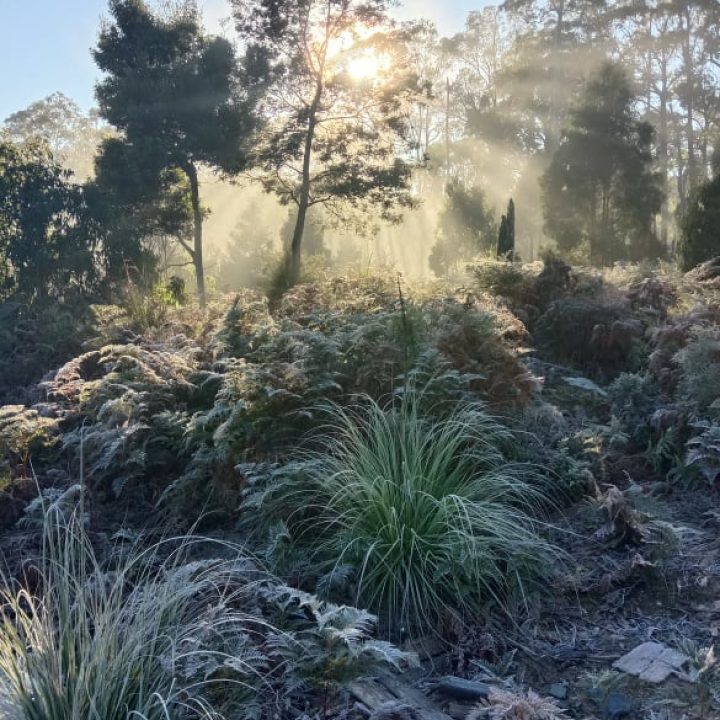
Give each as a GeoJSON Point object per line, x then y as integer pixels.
{"type": "Point", "coordinates": [178, 97]}
{"type": "Point", "coordinates": [700, 238]}
{"type": "Point", "coordinates": [72, 135]}
{"type": "Point", "coordinates": [333, 109]}
{"type": "Point", "coordinates": [601, 192]}
{"type": "Point", "coordinates": [49, 244]}
{"type": "Point", "coordinates": [466, 228]}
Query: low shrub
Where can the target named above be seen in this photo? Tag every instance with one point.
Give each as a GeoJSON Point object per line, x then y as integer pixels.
{"type": "Point", "coordinates": [37, 339]}
{"type": "Point", "coordinates": [507, 280]}
{"type": "Point", "coordinates": [699, 237]}
{"type": "Point", "coordinates": [22, 432]}
{"type": "Point", "coordinates": [699, 363]}
{"type": "Point", "coordinates": [125, 410]}
{"type": "Point", "coordinates": [703, 452]}
{"type": "Point", "coordinates": [170, 413]}
{"type": "Point", "coordinates": [469, 339]}
{"type": "Point", "coordinates": [426, 516]}
{"type": "Point", "coordinates": [635, 398]}
{"type": "Point", "coordinates": [671, 337]}
{"type": "Point", "coordinates": [596, 338]}
{"type": "Point", "coordinates": [158, 634]}
{"type": "Point", "coordinates": [653, 296]}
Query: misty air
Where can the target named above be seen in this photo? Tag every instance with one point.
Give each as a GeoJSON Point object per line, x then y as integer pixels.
{"type": "Point", "coordinates": [359, 360]}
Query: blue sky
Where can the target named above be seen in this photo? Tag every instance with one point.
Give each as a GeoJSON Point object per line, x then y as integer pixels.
{"type": "Point", "coordinates": [45, 44]}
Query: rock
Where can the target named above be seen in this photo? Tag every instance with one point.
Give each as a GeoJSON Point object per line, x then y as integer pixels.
{"type": "Point", "coordinates": [652, 662]}
{"type": "Point", "coordinates": [617, 706]}
{"type": "Point", "coordinates": [394, 711]}
{"type": "Point", "coordinates": [614, 705]}
{"type": "Point", "coordinates": [559, 691]}
{"type": "Point", "coordinates": [585, 384]}
{"type": "Point", "coordinates": [463, 689]}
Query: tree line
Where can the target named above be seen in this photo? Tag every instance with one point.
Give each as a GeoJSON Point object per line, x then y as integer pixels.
{"type": "Point", "coordinates": [600, 118]}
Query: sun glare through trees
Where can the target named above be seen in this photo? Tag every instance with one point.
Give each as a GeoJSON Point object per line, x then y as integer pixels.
{"type": "Point", "coordinates": [360, 360]}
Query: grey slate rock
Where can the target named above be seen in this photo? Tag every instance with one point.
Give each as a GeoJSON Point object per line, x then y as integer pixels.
{"type": "Point", "coordinates": [463, 689]}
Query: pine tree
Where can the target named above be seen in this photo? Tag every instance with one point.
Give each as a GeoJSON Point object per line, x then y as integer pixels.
{"type": "Point", "coordinates": [506, 236]}
{"type": "Point", "coordinates": [601, 192]}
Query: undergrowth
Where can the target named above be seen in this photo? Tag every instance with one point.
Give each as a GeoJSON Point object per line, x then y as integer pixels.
{"type": "Point", "coordinates": [157, 634]}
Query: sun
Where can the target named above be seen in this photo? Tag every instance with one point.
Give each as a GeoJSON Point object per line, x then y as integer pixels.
{"type": "Point", "coordinates": [367, 65]}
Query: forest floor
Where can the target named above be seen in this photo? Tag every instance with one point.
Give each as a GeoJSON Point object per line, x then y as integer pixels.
{"type": "Point", "coordinates": [166, 420]}
{"type": "Point", "coordinates": [645, 568]}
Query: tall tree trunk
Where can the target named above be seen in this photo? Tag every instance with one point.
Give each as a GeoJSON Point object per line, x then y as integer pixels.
{"type": "Point", "coordinates": [606, 252]}
{"type": "Point", "coordinates": [592, 240]}
{"type": "Point", "coordinates": [689, 71]}
{"type": "Point", "coordinates": [555, 121]}
{"type": "Point", "coordinates": [663, 152]}
{"type": "Point", "coordinates": [304, 199]}
{"type": "Point", "coordinates": [447, 126]}
{"type": "Point", "coordinates": [197, 256]}
{"type": "Point", "coordinates": [681, 175]}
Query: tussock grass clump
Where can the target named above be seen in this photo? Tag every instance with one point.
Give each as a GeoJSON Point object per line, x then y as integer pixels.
{"type": "Point", "coordinates": [432, 519]}
{"type": "Point", "coordinates": [137, 642]}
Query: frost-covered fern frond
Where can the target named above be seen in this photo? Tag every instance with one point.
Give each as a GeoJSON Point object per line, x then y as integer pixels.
{"type": "Point", "coordinates": [506, 705]}
{"type": "Point", "coordinates": [335, 643]}
{"type": "Point", "coordinates": [700, 365]}
{"type": "Point", "coordinates": [23, 430]}
{"type": "Point", "coordinates": [703, 451]}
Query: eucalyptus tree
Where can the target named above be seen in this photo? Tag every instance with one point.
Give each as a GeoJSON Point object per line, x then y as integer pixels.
{"type": "Point", "coordinates": [333, 110]}
{"type": "Point", "coordinates": [700, 238]}
{"type": "Point", "coordinates": [432, 118]}
{"type": "Point", "coordinates": [71, 134]}
{"type": "Point", "coordinates": [179, 98]}
{"type": "Point", "coordinates": [558, 42]}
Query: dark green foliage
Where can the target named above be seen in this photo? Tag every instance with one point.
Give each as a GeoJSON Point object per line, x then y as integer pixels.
{"type": "Point", "coordinates": [35, 339]}
{"type": "Point", "coordinates": [175, 288]}
{"type": "Point", "coordinates": [554, 281]}
{"type": "Point", "coordinates": [600, 192]}
{"type": "Point", "coordinates": [700, 238]}
{"type": "Point", "coordinates": [703, 452]}
{"type": "Point", "coordinates": [699, 363]}
{"type": "Point", "coordinates": [635, 398]}
{"type": "Point", "coordinates": [48, 242]}
{"type": "Point", "coordinates": [506, 234]}
{"type": "Point", "coordinates": [177, 96]}
{"type": "Point", "coordinates": [135, 204]}
{"type": "Point", "coordinates": [466, 228]}
{"type": "Point", "coordinates": [593, 337]}
{"type": "Point", "coordinates": [171, 88]}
